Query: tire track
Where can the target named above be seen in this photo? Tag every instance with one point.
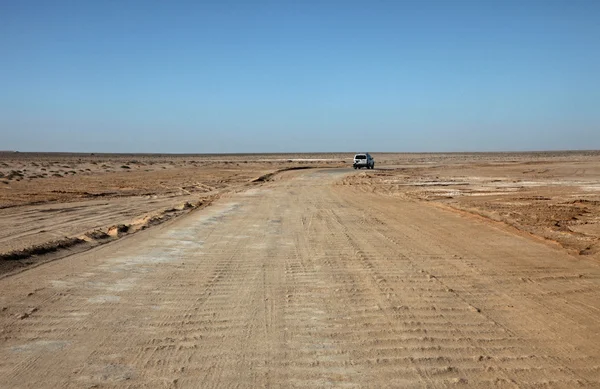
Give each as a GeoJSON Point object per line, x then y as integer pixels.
{"type": "Point", "coordinates": [298, 283]}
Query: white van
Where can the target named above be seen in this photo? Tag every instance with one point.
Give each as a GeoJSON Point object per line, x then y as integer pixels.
{"type": "Point", "coordinates": [363, 160]}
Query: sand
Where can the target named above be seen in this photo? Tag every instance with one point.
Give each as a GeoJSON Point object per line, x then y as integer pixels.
{"type": "Point", "coordinates": [554, 196]}
{"type": "Point", "coordinates": [319, 278]}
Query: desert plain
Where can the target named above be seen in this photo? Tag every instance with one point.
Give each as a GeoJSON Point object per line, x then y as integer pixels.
{"type": "Point", "coordinates": [295, 270]}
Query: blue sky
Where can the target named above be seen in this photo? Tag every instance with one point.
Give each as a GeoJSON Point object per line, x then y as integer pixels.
{"type": "Point", "coordinates": [289, 76]}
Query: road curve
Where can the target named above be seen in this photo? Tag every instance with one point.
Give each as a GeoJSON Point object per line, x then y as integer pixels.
{"type": "Point", "coordinates": [302, 282]}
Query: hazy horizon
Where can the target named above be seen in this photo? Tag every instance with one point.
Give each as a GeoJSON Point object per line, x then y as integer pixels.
{"type": "Point", "coordinates": [276, 77]}
{"type": "Point", "coordinates": [349, 153]}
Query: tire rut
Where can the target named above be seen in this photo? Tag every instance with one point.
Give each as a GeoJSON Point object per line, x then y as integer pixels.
{"type": "Point", "coordinates": [298, 283]}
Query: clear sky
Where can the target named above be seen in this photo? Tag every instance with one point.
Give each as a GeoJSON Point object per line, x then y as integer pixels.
{"type": "Point", "coordinates": [286, 76]}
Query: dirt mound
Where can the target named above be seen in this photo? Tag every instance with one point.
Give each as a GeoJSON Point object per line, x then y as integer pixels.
{"type": "Point", "coordinates": [269, 176]}
{"type": "Point", "coordinates": [21, 259]}
{"type": "Point", "coordinates": [46, 248]}
{"type": "Point", "coordinates": [18, 260]}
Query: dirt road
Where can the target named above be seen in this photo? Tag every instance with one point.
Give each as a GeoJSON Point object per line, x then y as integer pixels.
{"type": "Point", "coordinates": [302, 283]}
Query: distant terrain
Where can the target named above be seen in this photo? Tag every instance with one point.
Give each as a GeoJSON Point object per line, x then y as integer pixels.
{"type": "Point", "coordinates": [471, 270]}
{"type": "Point", "coordinates": [50, 200]}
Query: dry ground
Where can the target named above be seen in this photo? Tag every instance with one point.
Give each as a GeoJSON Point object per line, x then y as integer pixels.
{"type": "Point", "coordinates": [54, 201]}
{"type": "Point", "coordinates": [58, 201]}
{"type": "Point", "coordinates": [555, 196]}
{"type": "Point", "coordinates": [301, 281]}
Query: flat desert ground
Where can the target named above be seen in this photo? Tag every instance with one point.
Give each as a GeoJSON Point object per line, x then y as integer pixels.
{"type": "Point", "coordinates": [295, 270]}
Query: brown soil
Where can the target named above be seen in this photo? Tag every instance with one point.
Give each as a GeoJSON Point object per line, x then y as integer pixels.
{"type": "Point", "coordinates": [52, 201]}
{"type": "Point", "coordinates": [299, 282]}
{"type": "Point", "coordinates": [555, 196]}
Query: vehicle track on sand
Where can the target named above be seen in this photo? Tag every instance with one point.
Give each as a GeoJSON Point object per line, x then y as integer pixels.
{"type": "Point", "coordinates": [303, 283]}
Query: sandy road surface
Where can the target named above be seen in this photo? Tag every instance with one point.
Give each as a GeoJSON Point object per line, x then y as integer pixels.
{"type": "Point", "coordinates": [301, 283]}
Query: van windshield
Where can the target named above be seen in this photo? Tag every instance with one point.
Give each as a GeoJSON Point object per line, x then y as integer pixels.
{"type": "Point", "coordinates": [360, 157]}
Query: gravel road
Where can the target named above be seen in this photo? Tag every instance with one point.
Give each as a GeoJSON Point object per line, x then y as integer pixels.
{"type": "Point", "coordinates": [302, 282]}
